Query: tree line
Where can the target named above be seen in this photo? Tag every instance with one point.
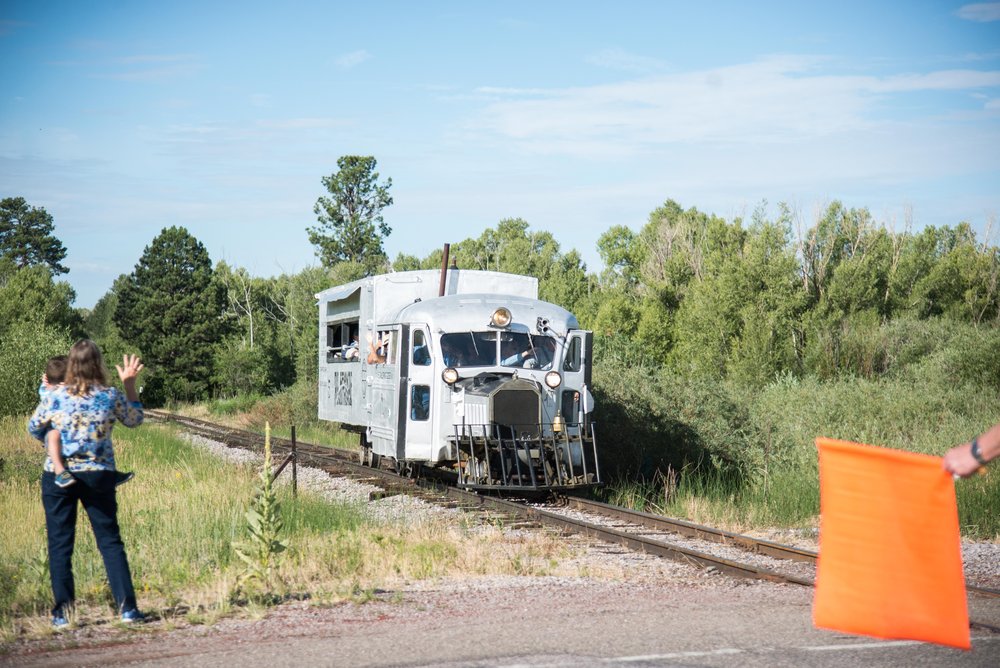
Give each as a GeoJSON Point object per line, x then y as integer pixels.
{"type": "Point", "coordinates": [741, 300]}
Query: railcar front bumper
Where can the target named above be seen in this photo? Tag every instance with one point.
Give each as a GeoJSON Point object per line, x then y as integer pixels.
{"type": "Point", "coordinates": [526, 457]}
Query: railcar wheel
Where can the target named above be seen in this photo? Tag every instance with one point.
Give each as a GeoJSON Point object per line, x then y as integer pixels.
{"type": "Point", "coordinates": [368, 456]}
{"type": "Point", "coordinates": [407, 469]}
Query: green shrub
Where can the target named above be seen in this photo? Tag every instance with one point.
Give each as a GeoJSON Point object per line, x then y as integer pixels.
{"type": "Point", "coordinates": [659, 419]}
{"type": "Point", "coordinates": [24, 350]}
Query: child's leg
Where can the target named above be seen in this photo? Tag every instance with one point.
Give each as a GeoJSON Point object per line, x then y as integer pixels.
{"type": "Point", "coordinates": [54, 447]}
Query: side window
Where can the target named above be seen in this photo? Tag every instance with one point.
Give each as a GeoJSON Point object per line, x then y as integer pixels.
{"type": "Point", "coordinates": [570, 405]}
{"type": "Point", "coordinates": [333, 342]}
{"type": "Point", "coordinates": [421, 355]}
{"type": "Point", "coordinates": [382, 350]}
{"type": "Point", "coordinates": [342, 342]}
{"type": "Point", "coordinates": [574, 356]}
{"type": "Point", "coordinates": [420, 402]}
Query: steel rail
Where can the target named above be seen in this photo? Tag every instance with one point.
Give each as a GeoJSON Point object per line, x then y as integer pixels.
{"type": "Point", "coordinates": [342, 460]}
{"type": "Point", "coordinates": [685, 528]}
{"type": "Point", "coordinates": [632, 541]}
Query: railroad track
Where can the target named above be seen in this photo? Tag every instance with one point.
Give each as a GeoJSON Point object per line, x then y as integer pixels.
{"type": "Point", "coordinates": [680, 540]}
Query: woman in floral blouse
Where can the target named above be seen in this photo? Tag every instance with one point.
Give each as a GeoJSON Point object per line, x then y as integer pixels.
{"type": "Point", "coordinates": [83, 412]}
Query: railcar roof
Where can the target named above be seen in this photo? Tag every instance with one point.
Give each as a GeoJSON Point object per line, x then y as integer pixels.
{"type": "Point", "coordinates": [465, 312]}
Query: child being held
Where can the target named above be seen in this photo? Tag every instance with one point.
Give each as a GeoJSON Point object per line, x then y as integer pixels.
{"type": "Point", "coordinates": [55, 374]}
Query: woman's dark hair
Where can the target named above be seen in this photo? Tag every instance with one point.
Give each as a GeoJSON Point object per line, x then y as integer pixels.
{"type": "Point", "coordinates": [85, 368]}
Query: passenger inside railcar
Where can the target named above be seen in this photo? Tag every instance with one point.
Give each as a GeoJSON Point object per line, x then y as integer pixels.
{"type": "Point", "coordinates": [525, 350]}
{"type": "Point", "coordinates": [352, 352]}
{"type": "Point", "coordinates": [421, 355]}
{"type": "Point", "coordinates": [378, 350]}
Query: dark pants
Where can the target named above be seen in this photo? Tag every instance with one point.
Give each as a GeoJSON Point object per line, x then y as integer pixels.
{"type": "Point", "coordinates": [96, 491]}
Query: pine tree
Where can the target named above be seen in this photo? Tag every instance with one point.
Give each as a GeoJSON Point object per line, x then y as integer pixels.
{"type": "Point", "coordinates": [170, 307]}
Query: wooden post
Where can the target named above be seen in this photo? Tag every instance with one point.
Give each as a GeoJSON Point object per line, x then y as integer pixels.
{"type": "Point", "coordinates": [295, 466]}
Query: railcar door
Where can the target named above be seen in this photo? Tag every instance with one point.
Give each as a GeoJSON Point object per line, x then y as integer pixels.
{"type": "Point", "coordinates": [576, 400]}
{"type": "Point", "coordinates": [420, 410]}
{"type": "Point", "coordinates": [387, 380]}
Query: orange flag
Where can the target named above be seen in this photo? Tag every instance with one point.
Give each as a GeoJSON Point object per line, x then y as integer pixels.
{"type": "Point", "coordinates": [890, 562]}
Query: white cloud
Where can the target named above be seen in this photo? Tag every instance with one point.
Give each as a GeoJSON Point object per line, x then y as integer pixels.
{"type": "Point", "coordinates": [144, 67]}
{"type": "Point", "coordinates": [619, 59]}
{"type": "Point", "coordinates": [140, 59]}
{"type": "Point", "coordinates": [982, 12]}
{"type": "Point", "coordinates": [352, 59]}
{"type": "Point", "coordinates": [302, 123]}
{"type": "Point", "coordinates": [778, 100]}
{"type": "Point", "coordinates": [992, 105]}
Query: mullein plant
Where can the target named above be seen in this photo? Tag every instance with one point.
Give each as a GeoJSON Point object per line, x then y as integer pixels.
{"type": "Point", "coordinates": [260, 554]}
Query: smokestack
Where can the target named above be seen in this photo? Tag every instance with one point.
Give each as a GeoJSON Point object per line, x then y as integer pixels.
{"type": "Point", "coordinates": [444, 270]}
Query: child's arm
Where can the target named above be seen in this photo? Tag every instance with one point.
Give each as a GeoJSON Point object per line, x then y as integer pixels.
{"type": "Point", "coordinates": [53, 445]}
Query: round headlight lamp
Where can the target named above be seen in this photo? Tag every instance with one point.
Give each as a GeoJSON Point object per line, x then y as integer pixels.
{"type": "Point", "coordinates": [501, 317]}
{"type": "Point", "coordinates": [450, 375]}
{"type": "Point", "coordinates": [553, 379]}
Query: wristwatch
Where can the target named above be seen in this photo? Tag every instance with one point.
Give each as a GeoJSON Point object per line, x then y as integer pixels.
{"type": "Point", "coordinates": [976, 454]}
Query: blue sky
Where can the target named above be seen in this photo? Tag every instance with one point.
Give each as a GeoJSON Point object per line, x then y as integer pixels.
{"type": "Point", "coordinates": [122, 118]}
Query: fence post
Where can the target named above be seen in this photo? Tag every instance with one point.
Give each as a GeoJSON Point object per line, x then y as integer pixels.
{"type": "Point", "coordinates": [295, 466]}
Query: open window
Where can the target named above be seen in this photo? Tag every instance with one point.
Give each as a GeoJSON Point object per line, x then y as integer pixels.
{"type": "Point", "coordinates": [421, 353]}
{"type": "Point", "coordinates": [574, 355]}
{"type": "Point", "coordinates": [342, 342]}
{"type": "Point", "coordinates": [383, 349]}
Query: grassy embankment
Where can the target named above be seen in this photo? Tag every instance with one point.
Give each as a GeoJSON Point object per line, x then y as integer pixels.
{"type": "Point", "coordinates": [746, 457]}
{"type": "Point", "coordinates": [180, 518]}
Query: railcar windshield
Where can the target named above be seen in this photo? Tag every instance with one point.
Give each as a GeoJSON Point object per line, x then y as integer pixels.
{"type": "Point", "coordinates": [509, 349]}
{"type": "Point", "coordinates": [469, 349]}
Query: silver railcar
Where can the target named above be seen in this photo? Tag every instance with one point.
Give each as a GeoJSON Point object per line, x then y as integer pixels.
{"type": "Point", "coordinates": [484, 379]}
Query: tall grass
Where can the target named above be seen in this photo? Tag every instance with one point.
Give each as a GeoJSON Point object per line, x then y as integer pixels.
{"type": "Point", "coordinates": [181, 516]}
{"type": "Point", "coordinates": [748, 458]}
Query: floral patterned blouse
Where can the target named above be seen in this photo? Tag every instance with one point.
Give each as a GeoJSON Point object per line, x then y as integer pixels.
{"type": "Point", "coordinates": [84, 424]}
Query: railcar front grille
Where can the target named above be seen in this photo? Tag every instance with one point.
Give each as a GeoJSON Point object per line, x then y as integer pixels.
{"type": "Point", "coordinates": [519, 407]}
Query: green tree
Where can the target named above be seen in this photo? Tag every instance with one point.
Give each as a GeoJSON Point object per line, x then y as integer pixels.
{"type": "Point", "coordinates": [294, 306]}
{"type": "Point", "coordinates": [25, 347]}
{"type": "Point", "coordinates": [351, 226]}
{"type": "Point", "coordinates": [26, 236]}
{"type": "Point", "coordinates": [170, 307]}
{"type": "Point", "coordinates": [30, 294]}
{"type": "Point", "coordinates": [622, 254]}
{"type": "Point", "coordinates": [100, 324]}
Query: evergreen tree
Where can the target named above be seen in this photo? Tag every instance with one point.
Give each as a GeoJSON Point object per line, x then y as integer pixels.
{"type": "Point", "coordinates": [351, 226]}
{"type": "Point", "coordinates": [170, 307]}
{"type": "Point", "coordinates": [26, 236]}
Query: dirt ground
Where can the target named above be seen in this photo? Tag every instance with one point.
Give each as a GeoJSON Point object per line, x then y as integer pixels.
{"type": "Point", "coordinates": [694, 619]}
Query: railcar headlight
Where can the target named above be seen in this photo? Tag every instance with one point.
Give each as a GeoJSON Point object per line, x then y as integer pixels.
{"type": "Point", "coordinates": [449, 376]}
{"type": "Point", "coordinates": [501, 317]}
{"type": "Point", "coordinates": [553, 379]}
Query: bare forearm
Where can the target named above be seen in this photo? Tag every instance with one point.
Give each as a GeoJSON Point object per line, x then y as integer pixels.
{"type": "Point", "coordinates": [967, 458]}
{"type": "Point", "coordinates": [989, 443]}
{"type": "Point", "coordinates": [130, 392]}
